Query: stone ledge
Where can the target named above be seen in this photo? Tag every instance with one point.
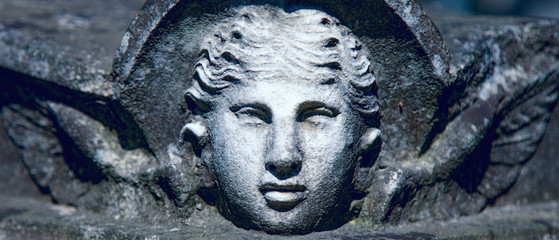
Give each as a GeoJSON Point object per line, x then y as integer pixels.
{"type": "Point", "coordinates": [27, 218]}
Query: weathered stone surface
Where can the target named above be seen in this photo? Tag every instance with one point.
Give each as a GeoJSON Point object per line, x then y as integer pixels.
{"type": "Point", "coordinates": [31, 219]}
{"type": "Point", "coordinates": [464, 123]}
{"type": "Point", "coordinates": [16, 179]}
{"type": "Point", "coordinates": [540, 171]}
{"type": "Point", "coordinates": [69, 43]}
{"type": "Point", "coordinates": [520, 115]}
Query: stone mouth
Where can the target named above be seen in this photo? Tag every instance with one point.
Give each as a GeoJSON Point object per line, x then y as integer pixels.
{"type": "Point", "coordinates": [283, 197]}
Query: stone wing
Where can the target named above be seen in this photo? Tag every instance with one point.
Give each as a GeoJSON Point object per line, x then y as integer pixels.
{"type": "Point", "coordinates": [511, 141]}
{"type": "Point", "coordinates": [490, 122]}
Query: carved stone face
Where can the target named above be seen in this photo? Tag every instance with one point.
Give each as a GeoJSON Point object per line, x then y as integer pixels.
{"type": "Point", "coordinates": [283, 151]}
{"type": "Point", "coordinates": [285, 108]}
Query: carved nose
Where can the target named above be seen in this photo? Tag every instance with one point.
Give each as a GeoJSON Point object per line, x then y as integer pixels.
{"type": "Point", "coordinates": [283, 159]}
{"type": "Point", "coordinates": [285, 168]}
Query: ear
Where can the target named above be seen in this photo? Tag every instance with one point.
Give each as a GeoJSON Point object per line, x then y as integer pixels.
{"type": "Point", "coordinates": [196, 133]}
{"type": "Point", "coordinates": [369, 144]}
{"type": "Point", "coordinates": [369, 150]}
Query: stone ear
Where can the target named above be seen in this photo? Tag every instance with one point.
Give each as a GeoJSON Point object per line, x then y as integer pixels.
{"type": "Point", "coordinates": [369, 146]}
{"type": "Point", "coordinates": [369, 150]}
{"type": "Point", "coordinates": [196, 133]}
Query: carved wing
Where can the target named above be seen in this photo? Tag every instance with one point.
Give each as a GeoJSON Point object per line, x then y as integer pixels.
{"type": "Point", "coordinates": [71, 155]}
{"type": "Point", "coordinates": [491, 120]}
{"type": "Point", "coordinates": [514, 141]}
{"type": "Point", "coordinates": [58, 106]}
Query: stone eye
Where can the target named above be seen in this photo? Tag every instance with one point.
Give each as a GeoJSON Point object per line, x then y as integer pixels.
{"type": "Point", "coordinates": [252, 115]}
{"type": "Point", "coordinates": [317, 114]}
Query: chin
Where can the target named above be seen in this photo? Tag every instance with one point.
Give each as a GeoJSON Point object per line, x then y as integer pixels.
{"type": "Point", "coordinates": [290, 222]}
{"type": "Point", "coordinates": [305, 218]}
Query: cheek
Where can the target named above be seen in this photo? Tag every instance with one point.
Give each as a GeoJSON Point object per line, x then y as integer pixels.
{"type": "Point", "coordinates": [328, 150]}
{"type": "Point", "coordinates": [236, 152]}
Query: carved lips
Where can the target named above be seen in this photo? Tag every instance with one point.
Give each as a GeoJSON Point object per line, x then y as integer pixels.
{"type": "Point", "coordinates": [283, 197]}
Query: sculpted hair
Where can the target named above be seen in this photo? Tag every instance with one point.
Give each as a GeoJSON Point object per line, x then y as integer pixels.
{"type": "Point", "coordinates": [262, 41]}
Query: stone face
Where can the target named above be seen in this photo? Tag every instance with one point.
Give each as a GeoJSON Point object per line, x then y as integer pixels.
{"type": "Point", "coordinates": [268, 114]}
{"type": "Point", "coordinates": [288, 113]}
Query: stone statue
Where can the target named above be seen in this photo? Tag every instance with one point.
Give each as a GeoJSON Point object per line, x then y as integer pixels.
{"type": "Point", "coordinates": [267, 115]}
{"type": "Point", "coordinates": [285, 111]}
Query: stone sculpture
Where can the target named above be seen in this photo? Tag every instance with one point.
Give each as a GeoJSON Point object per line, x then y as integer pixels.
{"type": "Point", "coordinates": [270, 113]}
{"type": "Point", "coordinates": [285, 110]}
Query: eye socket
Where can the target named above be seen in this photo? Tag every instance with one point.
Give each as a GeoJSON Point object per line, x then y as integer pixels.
{"type": "Point", "coordinates": [252, 114]}
{"type": "Point", "coordinates": [317, 114]}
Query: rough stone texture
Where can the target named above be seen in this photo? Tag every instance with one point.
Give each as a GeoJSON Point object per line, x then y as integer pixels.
{"type": "Point", "coordinates": [57, 54]}
{"type": "Point", "coordinates": [528, 90]}
{"type": "Point", "coordinates": [465, 125]}
{"type": "Point", "coordinates": [540, 171]}
{"type": "Point", "coordinates": [31, 219]}
{"type": "Point", "coordinates": [69, 43]}
{"type": "Point", "coordinates": [16, 179]}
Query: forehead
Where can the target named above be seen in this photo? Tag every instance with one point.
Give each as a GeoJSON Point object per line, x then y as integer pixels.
{"type": "Point", "coordinates": [283, 93]}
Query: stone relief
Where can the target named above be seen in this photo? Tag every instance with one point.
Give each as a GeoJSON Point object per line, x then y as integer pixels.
{"type": "Point", "coordinates": [285, 110]}
{"type": "Point", "coordinates": [270, 115]}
